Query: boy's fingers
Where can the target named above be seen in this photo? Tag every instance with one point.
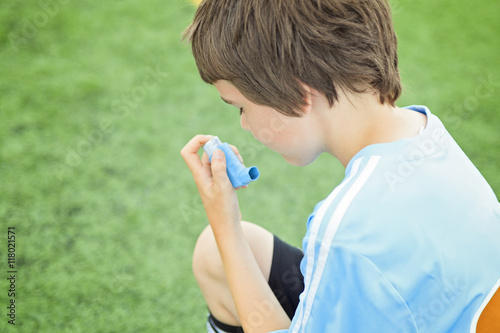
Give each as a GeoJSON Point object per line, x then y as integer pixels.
{"type": "Point", "coordinates": [205, 162]}
{"type": "Point", "coordinates": [204, 159]}
{"type": "Point", "coordinates": [218, 166]}
{"type": "Point", "coordinates": [190, 151]}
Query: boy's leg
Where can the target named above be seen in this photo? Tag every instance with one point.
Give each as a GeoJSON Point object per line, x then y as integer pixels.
{"type": "Point", "coordinates": [209, 272]}
{"type": "Point", "coordinates": [279, 263]}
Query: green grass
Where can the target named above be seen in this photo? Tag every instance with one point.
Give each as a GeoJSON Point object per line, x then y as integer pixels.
{"type": "Point", "coordinates": [105, 211]}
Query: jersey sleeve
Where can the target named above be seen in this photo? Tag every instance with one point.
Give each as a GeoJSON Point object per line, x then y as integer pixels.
{"type": "Point", "coordinates": [347, 293]}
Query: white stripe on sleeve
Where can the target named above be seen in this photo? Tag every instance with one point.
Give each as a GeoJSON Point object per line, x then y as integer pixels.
{"type": "Point", "coordinates": [312, 282]}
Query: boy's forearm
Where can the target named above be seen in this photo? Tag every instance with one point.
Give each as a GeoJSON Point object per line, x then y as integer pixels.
{"type": "Point", "coordinates": [257, 306]}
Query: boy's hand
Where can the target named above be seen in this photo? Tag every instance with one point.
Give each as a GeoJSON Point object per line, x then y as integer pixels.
{"type": "Point", "coordinates": [216, 192]}
{"type": "Point", "coordinates": [249, 288]}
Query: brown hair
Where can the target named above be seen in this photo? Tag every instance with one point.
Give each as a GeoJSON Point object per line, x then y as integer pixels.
{"type": "Point", "coordinates": [267, 48]}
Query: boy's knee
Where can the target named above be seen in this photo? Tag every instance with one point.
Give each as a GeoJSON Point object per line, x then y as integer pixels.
{"type": "Point", "coordinates": [206, 257]}
{"type": "Point", "coordinates": [207, 263]}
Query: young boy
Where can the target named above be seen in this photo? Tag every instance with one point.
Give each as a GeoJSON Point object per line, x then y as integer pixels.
{"type": "Point", "coordinates": [408, 242]}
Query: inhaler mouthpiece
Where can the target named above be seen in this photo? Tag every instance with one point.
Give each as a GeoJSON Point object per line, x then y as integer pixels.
{"type": "Point", "coordinates": [238, 174]}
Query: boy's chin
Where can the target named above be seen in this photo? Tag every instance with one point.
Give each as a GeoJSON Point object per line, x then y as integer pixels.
{"type": "Point", "coordinates": [299, 161]}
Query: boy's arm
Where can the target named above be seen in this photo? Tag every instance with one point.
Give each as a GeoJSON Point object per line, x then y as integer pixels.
{"type": "Point", "coordinates": [257, 306]}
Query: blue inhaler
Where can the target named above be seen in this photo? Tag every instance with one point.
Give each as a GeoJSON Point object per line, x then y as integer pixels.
{"type": "Point", "coordinates": [236, 171]}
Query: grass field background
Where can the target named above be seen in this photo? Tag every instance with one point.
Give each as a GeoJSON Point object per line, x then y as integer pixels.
{"type": "Point", "coordinates": [96, 100]}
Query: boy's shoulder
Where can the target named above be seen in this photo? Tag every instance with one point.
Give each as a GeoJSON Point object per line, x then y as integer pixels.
{"type": "Point", "coordinates": [409, 236]}
{"type": "Point", "coordinates": [426, 180]}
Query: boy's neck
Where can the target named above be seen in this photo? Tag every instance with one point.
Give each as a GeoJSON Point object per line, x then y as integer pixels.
{"type": "Point", "coordinates": [359, 120]}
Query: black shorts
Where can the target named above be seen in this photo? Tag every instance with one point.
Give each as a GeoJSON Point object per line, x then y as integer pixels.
{"type": "Point", "coordinates": [285, 280]}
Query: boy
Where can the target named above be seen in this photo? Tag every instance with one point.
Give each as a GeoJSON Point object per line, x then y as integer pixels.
{"type": "Point", "coordinates": [408, 242]}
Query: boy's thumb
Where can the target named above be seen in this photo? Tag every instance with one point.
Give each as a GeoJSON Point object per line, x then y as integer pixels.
{"type": "Point", "coordinates": [219, 167]}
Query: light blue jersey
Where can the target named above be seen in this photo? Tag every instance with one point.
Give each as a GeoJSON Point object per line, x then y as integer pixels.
{"type": "Point", "coordinates": [408, 242]}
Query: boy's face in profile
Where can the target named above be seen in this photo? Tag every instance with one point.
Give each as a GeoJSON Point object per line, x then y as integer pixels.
{"type": "Point", "coordinates": [292, 137]}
